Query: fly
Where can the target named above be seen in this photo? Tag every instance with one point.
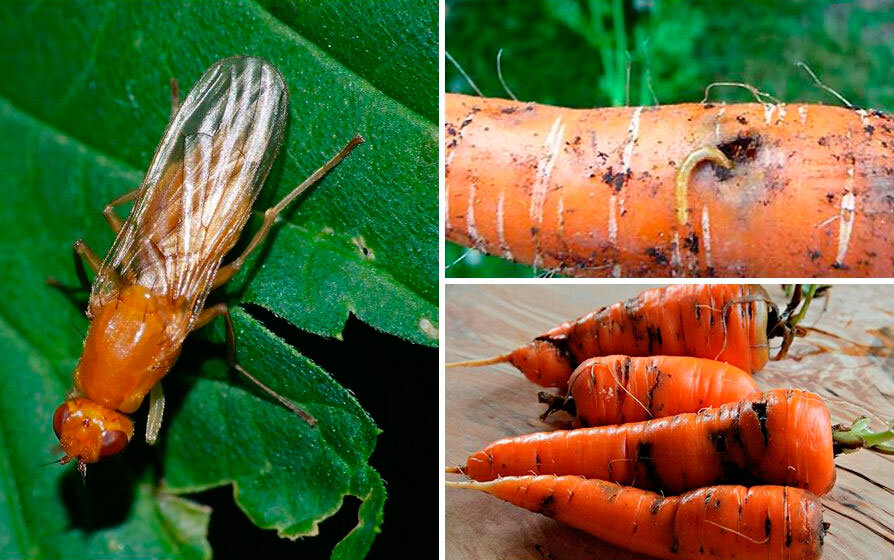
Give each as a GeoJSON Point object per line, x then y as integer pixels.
{"type": "Point", "coordinates": [189, 211]}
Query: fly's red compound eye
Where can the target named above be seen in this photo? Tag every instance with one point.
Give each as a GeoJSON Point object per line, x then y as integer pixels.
{"type": "Point", "coordinates": [60, 417]}
{"type": "Point", "coordinates": [113, 443]}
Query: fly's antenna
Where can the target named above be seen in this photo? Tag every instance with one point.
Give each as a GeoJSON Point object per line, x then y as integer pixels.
{"type": "Point", "coordinates": [77, 328]}
{"type": "Point", "coordinates": [60, 461]}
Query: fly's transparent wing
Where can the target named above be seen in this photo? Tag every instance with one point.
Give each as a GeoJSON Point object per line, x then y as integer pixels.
{"type": "Point", "coordinates": [199, 190]}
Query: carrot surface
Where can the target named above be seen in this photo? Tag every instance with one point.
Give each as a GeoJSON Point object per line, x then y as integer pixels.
{"type": "Point", "coordinates": [762, 522]}
{"type": "Point", "coordinates": [777, 437]}
{"type": "Point", "coordinates": [725, 322]}
{"type": "Point", "coordinates": [642, 191]}
{"type": "Point", "coordinates": [622, 389]}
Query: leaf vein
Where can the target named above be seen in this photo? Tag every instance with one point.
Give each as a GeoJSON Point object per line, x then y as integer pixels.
{"type": "Point", "coordinates": [320, 52]}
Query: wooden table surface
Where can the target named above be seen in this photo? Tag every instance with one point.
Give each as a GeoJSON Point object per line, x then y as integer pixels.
{"type": "Point", "coordinates": [488, 403]}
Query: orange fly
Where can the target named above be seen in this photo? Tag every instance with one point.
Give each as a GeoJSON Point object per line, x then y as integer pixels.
{"type": "Point", "coordinates": [189, 211]}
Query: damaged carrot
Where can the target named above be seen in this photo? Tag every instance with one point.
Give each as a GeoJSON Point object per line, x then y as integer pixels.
{"type": "Point", "coordinates": [778, 437]}
{"type": "Point", "coordinates": [622, 389]}
{"type": "Point", "coordinates": [758, 523]}
{"type": "Point", "coordinates": [710, 189]}
{"type": "Point", "coordinates": [730, 323]}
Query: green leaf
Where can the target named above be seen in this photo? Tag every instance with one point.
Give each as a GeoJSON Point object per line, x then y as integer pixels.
{"type": "Point", "coordinates": [286, 474]}
{"type": "Point", "coordinates": [360, 34]}
{"type": "Point", "coordinates": [81, 119]}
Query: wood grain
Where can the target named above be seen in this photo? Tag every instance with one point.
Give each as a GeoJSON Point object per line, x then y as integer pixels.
{"type": "Point", "coordinates": [855, 375]}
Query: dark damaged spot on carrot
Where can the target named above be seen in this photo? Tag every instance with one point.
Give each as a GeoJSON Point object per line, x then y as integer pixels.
{"type": "Point", "coordinates": [718, 440]}
{"type": "Point", "coordinates": [615, 180]}
{"type": "Point", "coordinates": [690, 242]}
{"type": "Point", "coordinates": [741, 149]}
{"type": "Point", "coordinates": [647, 461]}
{"type": "Point", "coordinates": [657, 255]}
{"type": "Point", "coordinates": [546, 506]}
{"type": "Point", "coordinates": [760, 410]}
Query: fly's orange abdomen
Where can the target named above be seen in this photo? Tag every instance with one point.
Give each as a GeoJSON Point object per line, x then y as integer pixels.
{"type": "Point", "coordinates": [127, 349]}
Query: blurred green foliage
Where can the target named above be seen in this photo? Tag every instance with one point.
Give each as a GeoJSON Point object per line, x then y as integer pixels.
{"type": "Point", "coordinates": [590, 53]}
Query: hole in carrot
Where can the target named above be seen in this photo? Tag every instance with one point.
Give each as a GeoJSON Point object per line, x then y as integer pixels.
{"type": "Point", "coordinates": [741, 149]}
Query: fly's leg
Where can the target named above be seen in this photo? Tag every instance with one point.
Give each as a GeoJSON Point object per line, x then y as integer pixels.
{"type": "Point", "coordinates": [115, 222]}
{"type": "Point", "coordinates": [219, 309]}
{"type": "Point", "coordinates": [210, 313]}
{"type": "Point", "coordinates": [87, 254]}
{"type": "Point", "coordinates": [83, 281]}
{"type": "Point", "coordinates": [156, 412]}
{"type": "Point", "coordinates": [227, 271]}
{"type": "Point", "coordinates": [82, 253]}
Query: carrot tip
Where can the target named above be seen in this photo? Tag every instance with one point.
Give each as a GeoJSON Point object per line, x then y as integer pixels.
{"type": "Point", "coordinates": [467, 484]}
{"type": "Point", "coordinates": [483, 362]}
{"type": "Point", "coordinates": [453, 470]}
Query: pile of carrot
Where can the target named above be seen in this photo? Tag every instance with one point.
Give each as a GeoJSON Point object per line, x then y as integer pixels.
{"type": "Point", "coordinates": [680, 456]}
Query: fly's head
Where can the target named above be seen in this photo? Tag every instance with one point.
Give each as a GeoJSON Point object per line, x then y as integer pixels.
{"type": "Point", "coordinates": [88, 431]}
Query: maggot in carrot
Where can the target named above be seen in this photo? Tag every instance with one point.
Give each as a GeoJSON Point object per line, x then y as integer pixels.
{"type": "Point", "coordinates": [731, 323]}
{"type": "Point", "coordinates": [758, 523]}
{"type": "Point", "coordinates": [793, 190]}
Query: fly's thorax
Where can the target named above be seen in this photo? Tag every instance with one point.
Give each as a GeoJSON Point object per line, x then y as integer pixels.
{"type": "Point", "coordinates": [132, 341]}
{"type": "Point", "coordinates": [88, 431]}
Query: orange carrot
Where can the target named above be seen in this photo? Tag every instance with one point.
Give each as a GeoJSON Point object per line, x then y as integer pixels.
{"type": "Point", "coordinates": [778, 437]}
{"type": "Point", "coordinates": [762, 522]}
{"type": "Point", "coordinates": [724, 322]}
{"type": "Point", "coordinates": [746, 190]}
{"type": "Point", "coordinates": [621, 389]}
